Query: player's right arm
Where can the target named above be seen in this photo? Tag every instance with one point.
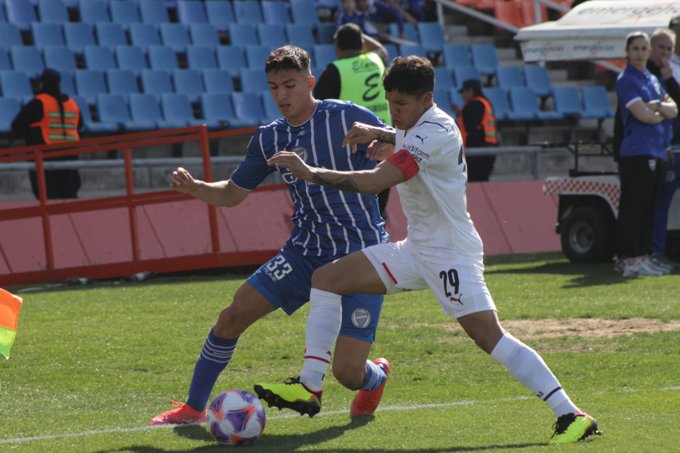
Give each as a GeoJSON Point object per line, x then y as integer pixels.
{"type": "Point", "coordinates": [220, 193]}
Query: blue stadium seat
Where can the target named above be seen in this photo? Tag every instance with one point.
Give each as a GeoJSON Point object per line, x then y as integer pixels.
{"type": "Point", "coordinates": [524, 104]}
{"type": "Point", "coordinates": [392, 51]}
{"type": "Point", "coordinates": [218, 81]}
{"type": "Point", "coordinates": [52, 11]}
{"type": "Point", "coordinates": [161, 57]}
{"type": "Point", "coordinates": [595, 103]}
{"type": "Point", "coordinates": [220, 14]}
{"type": "Point", "coordinates": [484, 58]}
{"type": "Point", "coordinates": [110, 35]}
{"type": "Point", "coordinates": [232, 59]}
{"type": "Point", "coordinates": [443, 78]}
{"type": "Point", "coordinates": [90, 126]}
{"type": "Point", "coordinates": [243, 35]}
{"type": "Point", "coordinates": [99, 58]}
{"type": "Point", "coordinates": [191, 12]}
{"type": "Point", "coordinates": [157, 82]}
{"type": "Point", "coordinates": [90, 83]}
{"type": "Point", "coordinates": [499, 102]}
{"type": "Point", "coordinates": [324, 54]}
{"type": "Point", "coordinates": [125, 12]}
{"type": "Point", "coordinates": [456, 98]}
{"type": "Point", "coordinates": [27, 60]}
{"type": "Point", "coordinates": [175, 36]}
{"type": "Point", "coordinates": [68, 86]}
{"type": "Point", "coordinates": [154, 12]}
{"type": "Point", "coordinates": [130, 57]}
{"type": "Point", "coordinates": [271, 110]}
{"type": "Point", "coordinates": [272, 35]}
{"type": "Point", "coordinates": [9, 108]}
{"type": "Point", "coordinates": [200, 57]}
{"type": "Point", "coordinates": [431, 36]}
{"type": "Point", "coordinates": [410, 32]}
{"type": "Point", "coordinates": [412, 49]}
{"type": "Point", "coordinates": [300, 35]}
{"type": "Point", "coordinates": [50, 34]}
{"type": "Point", "coordinates": [567, 101]}
{"type": "Point", "coordinates": [537, 78]}
{"type": "Point", "coordinates": [78, 36]}
{"type": "Point", "coordinates": [442, 99]}
{"type": "Point", "coordinates": [463, 73]}
{"type": "Point", "coordinates": [60, 58]}
{"type": "Point", "coordinates": [113, 108]}
{"type": "Point", "coordinates": [94, 11]}
{"type": "Point", "coordinates": [3, 16]}
{"type": "Point", "coordinates": [275, 12]}
{"type": "Point", "coordinates": [176, 107]}
{"type": "Point", "coordinates": [144, 35]}
{"type": "Point", "coordinates": [204, 35]}
{"type": "Point", "coordinates": [256, 56]}
{"type": "Point", "coordinates": [20, 13]}
{"type": "Point", "coordinates": [10, 35]}
{"type": "Point", "coordinates": [304, 12]}
{"type": "Point", "coordinates": [253, 80]}
{"type": "Point", "coordinates": [247, 12]}
{"type": "Point", "coordinates": [457, 55]}
{"type": "Point", "coordinates": [145, 108]}
{"type": "Point", "coordinates": [218, 111]}
{"type": "Point", "coordinates": [188, 82]}
{"type": "Point", "coordinates": [5, 63]}
{"type": "Point", "coordinates": [510, 76]}
{"type": "Point", "coordinates": [121, 81]}
{"type": "Point", "coordinates": [325, 33]}
{"type": "Point", "coordinates": [16, 85]}
{"type": "Point", "coordinates": [248, 107]}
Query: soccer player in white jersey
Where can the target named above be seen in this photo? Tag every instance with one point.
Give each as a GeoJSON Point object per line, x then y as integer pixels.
{"type": "Point", "coordinates": [327, 224]}
{"type": "Point", "coordinates": [442, 252]}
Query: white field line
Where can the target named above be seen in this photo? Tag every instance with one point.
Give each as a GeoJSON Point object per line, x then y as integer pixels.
{"type": "Point", "coordinates": [322, 414]}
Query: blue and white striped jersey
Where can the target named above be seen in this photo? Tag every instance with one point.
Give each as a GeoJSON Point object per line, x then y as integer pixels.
{"type": "Point", "coordinates": [326, 221]}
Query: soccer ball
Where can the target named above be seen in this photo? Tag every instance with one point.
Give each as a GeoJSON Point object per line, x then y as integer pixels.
{"type": "Point", "coordinates": [236, 417]}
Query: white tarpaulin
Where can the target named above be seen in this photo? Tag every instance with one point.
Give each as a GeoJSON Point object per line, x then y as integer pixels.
{"type": "Point", "coordinates": [595, 29]}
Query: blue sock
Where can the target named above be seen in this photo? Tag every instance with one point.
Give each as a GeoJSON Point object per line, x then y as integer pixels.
{"type": "Point", "coordinates": [214, 357]}
{"type": "Point", "coordinates": [375, 376]}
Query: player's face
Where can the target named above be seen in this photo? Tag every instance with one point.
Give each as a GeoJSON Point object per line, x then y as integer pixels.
{"type": "Point", "coordinates": [638, 52]}
{"type": "Point", "coordinates": [406, 109]}
{"type": "Point", "coordinates": [292, 92]}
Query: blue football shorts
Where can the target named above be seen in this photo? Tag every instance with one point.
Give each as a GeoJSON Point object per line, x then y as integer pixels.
{"type": "Point", "coordinates": [286, 279]}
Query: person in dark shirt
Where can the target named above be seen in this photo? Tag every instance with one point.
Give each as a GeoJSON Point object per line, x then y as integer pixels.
{"type": "Point", "coordinates": [51, 117]}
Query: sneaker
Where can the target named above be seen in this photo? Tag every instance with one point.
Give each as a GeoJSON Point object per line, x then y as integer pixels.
{"type": "Point", "coordinates": [292, 394]}
{"type": "Point", "coordinates": [181, 414]}
{"type": "Point", "coordinates": [648, 267]}
{"type": "Point", "coordinates": [570, 428]}
{"type": "Point", "coordinates": [641, 266]}
{"type": "Point", "coordinates": [662, 262]}
{"type": "Point", "coordinates": [366, 401]}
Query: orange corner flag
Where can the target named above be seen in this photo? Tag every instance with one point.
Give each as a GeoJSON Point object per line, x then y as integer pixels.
{"type": "Point", "coordinates": [10, 305]}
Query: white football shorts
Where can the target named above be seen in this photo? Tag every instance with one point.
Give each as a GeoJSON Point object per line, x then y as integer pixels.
{"type": "Point", "coordinates": [457, 283]}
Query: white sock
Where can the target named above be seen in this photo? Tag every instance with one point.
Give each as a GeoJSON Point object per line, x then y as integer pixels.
{"type": "Point", "coordinates": [529, 368]}
{"type": "Point", "coordinates": [323, 326]}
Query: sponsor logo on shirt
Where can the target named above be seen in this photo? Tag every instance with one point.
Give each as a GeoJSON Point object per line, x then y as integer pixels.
{"type": "Point", "coordinates": [418, 154]}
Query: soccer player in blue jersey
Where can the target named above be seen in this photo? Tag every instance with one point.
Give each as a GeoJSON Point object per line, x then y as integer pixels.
{"type": "Point", "coordinates": [327, 224]}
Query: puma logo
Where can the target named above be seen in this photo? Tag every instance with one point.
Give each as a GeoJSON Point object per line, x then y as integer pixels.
{"type": "Point", "coordinates": [422, 139]}
{"type": "Point", "coordinates": [457, 299]}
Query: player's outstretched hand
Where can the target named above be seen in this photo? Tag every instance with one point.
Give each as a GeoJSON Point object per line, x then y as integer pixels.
{"type": "Point", "coordinates": [182, 181]}
{"type": "Point", "coordinates": [359, 134]}
{"type": "Point", "coordinates": [293, 162]}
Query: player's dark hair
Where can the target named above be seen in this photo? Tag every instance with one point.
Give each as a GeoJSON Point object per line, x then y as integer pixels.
{"type": "Point", "coordinates": [288, 57]}
{"type": "Point", "coordinates": [348, 37]}
{"type": "Point", "coordinates": [635, 35]}
{"type": "Point", "coordinates": [411, 75]}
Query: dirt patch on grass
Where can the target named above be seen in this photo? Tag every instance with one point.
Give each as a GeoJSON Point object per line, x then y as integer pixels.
{"type": "Point", "coordinates": [586, 328]}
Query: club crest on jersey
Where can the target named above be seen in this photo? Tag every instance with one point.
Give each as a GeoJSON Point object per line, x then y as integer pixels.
{"type": "Point", "coordinates": [301, 152]}
{"type": "Point", "coordinates": [361, 318]}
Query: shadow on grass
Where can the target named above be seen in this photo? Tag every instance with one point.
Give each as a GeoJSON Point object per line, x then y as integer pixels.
{"type": "Point", "coordinates": [597, 274]}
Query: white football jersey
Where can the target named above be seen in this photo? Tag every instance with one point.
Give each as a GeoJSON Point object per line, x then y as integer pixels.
{"type": "Point", "coordinates": [434, 200]}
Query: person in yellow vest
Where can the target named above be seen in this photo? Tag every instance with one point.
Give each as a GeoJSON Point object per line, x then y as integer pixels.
{"type": "Point", "coordinates": [356, 76]}
{"type": "Point", "coordinates": [51, 117]}
{"type": "Point", "coordinates": [477, 125]}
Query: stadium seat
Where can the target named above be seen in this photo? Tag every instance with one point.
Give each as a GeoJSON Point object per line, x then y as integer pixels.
{"type": "Point", "coordinates": [99, 58]}
{"type": "Point", "coordinates": [324, 54]}
{"type": "Point", "coordinates": [499, 102]}
{"type": "Point", "coordinates": [457, 55]}
{"type": "Point", "coordinates": [121, 81]}
{"type": "Point", "coordinates": [156, 82]}
{"type": "Point", "coordinates": [272, 35]}
{"type": "Point", "coordinates": [3, 16]}
{"type": "Point", "coordinates": [176, 107]}
{"type": "Point", "coordinates": [144, 108]}
{"type": "Point", "coordinates": [161, 57]}
{"type": "Point", "coordinates": [431, 36]}
{"type": "Point", "coordinates": [595, 103]}
{"type": "Point", "coordinates": [188, 82]}
{"type": "Point", "coordinates": [254, 80]}
{"type": "Point", "coordinates": [484, 58]}
{"type": "Point", "coordinates": [113, 109]}
{"type": "Point", "coordinates": [191, 12]}
{"type": "Point", "coordinates": [220, 14]}
{"type": "Point", "coordinates": [52, 11]}
{"type": "Point", "coordinates": [50, 34]}
{"type": "Point", "coordinates": [110, 35]}
{"type": "Point", "coordinates": [567, 101]}
{"type": "Point", "coordinates": [243, 35]}
{"type": "Point", "coordinates": [218, 81]}
{"type": "Point", "coordinates": [443, 101]}
{"type": "Point", "coordinates": [175, 36]}
{"type": "Point", "coordinates": [90, 83]}
{"type": "Point", "coordinates": [125, 12]}
{"type": "Point", "coordinates": [463, 73]}
{"type": "Point", "coordinates": [456, 98]}
{"type": "Point", "coordinates": [510, 76]}
{"type": "Point", "coordinates": [200, 57]}
{"type": "Point", "coordinates": [16, 85]}
{"type": "Point", "coordinates": [218, 111]}
{"type": "Point", "coordinates": [256, 56]}
{"type": "Point", "coordinates": [27, 60]}
{"type": "Point", "coordinates": [304, 12]}
{"type": "Point", "coordinates": [5, 63]}
{"type": "Point", "coordinates": [204, 34]}
{"type": "Point", "coordinates": [325, 33]}
{"type": "Point", "coordinates": [94, 11]}
{"type": "Point", "coordinates": [144, 35]}
{"type": "Point", "coordinates": [68, 86]}
{"type": "Point", "coordinates": [392, 51]}
{"type": "Point", "coordinates": [130, 57]}
{"type": "Point", "coordinates": [232, 59]}
{"type": "Point", "coordinates": [443, 78]}
{"type": "Point", "coordinates": [412, 49]}
{"type": "Point", "coordinates": [9, 108]}
{"type": "Point", "coordinates": [247, 12]}
{"type": "Point", "coordinates": [525, 105]}
{"type": "Point", "coordinates": [410, 32]}
{"type": "Point", "coordinates": [154, 12]}
{"type": "Point", "coordinates": [300, 35]}
{"type": "Point", "coordinates": [90, 126]}
{"type": "Point", "coordinates": [10, 35]}
{"type": "Point", "coordinates": [537, 78]}
{"type": "Point", "coordinates": [271, 110]}
{"type": "Point", "coordinates": [275, 12]}
{"type": "Point", "coordinates": [78, 36]}
{"type": "Point", "coordinates": [248, 107]}
{"type": "Point", "coordinates": [60, 58]}
{"type": "Point", "coordinates": [21, 13]}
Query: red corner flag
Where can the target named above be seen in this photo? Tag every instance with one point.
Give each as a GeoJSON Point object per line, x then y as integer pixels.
{"type": "Point", "coordinates": [9, 319]}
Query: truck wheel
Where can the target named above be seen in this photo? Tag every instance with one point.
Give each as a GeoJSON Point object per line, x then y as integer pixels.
{"type": "Point", "coordinates": [588, 235]}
